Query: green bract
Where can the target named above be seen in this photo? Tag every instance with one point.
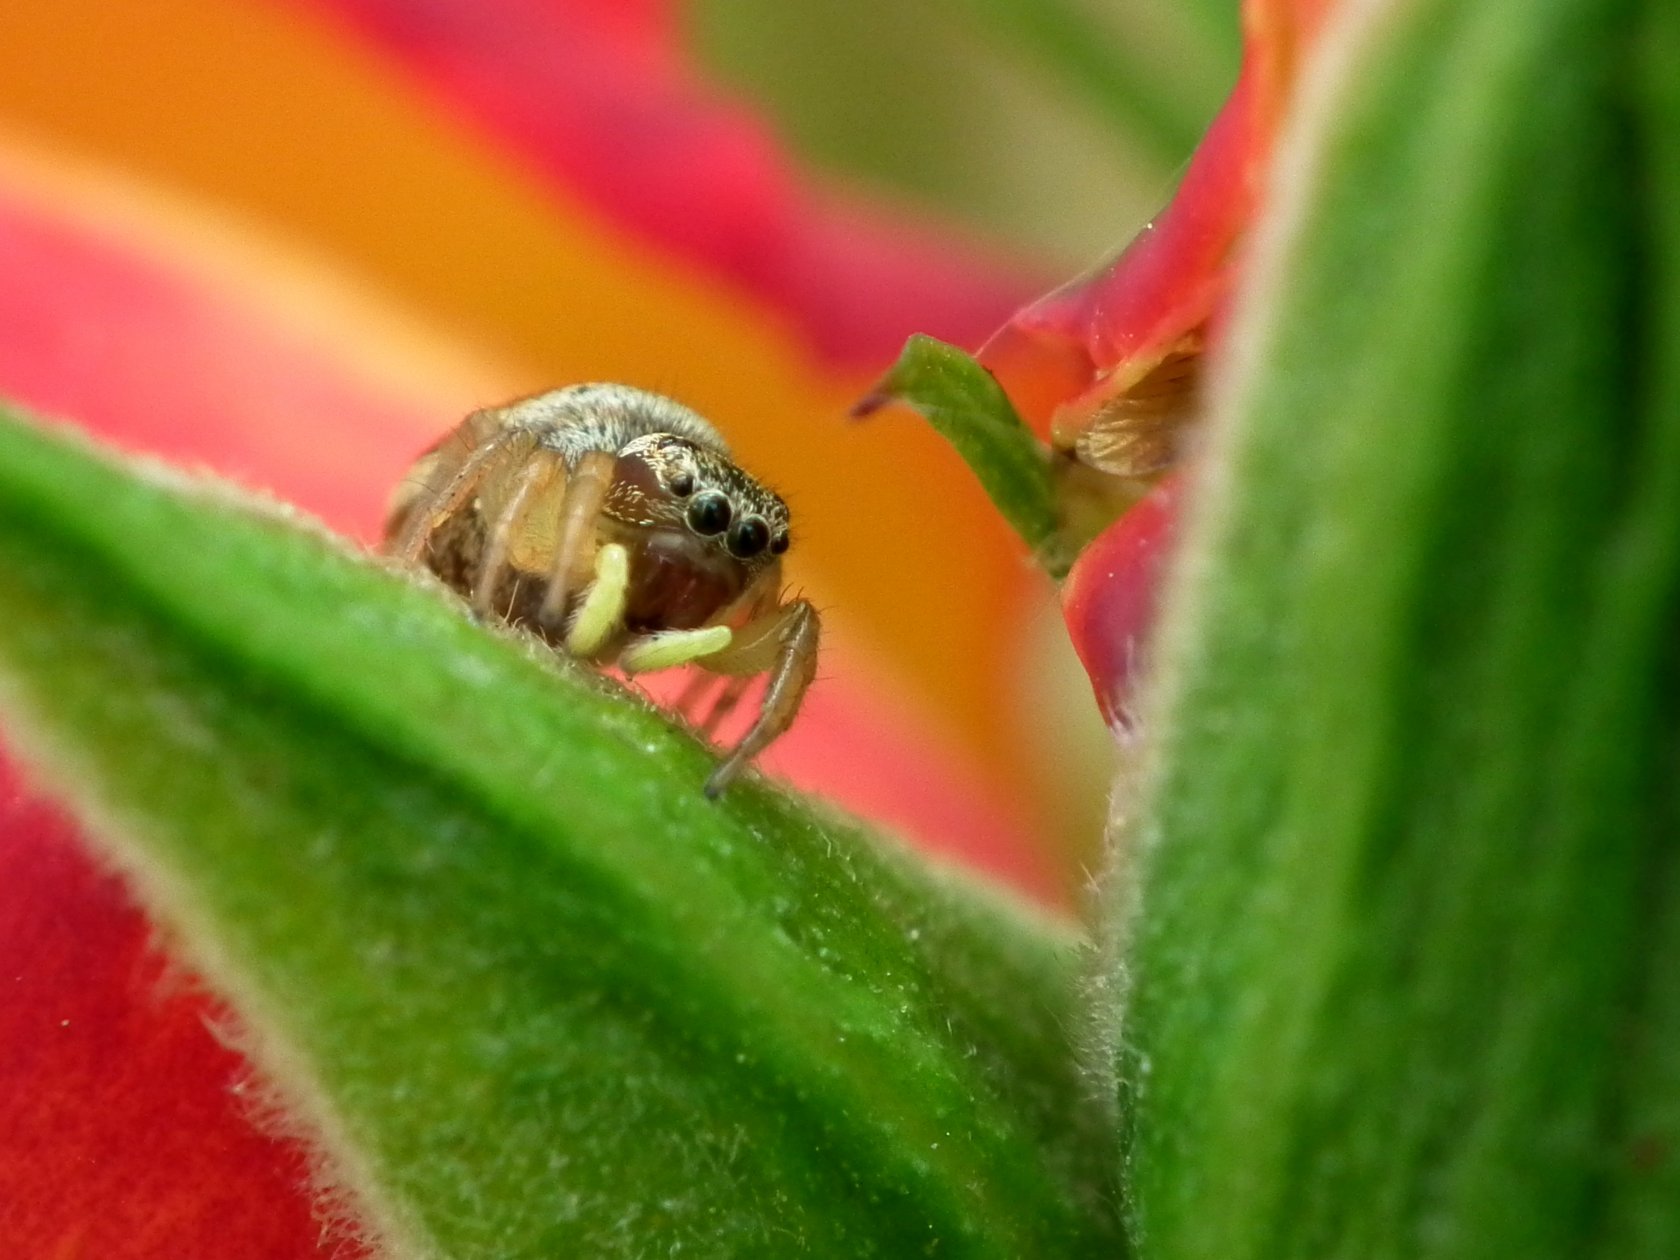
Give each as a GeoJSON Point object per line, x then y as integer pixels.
{"type": "Point", "coordinates": [968, 407]}
{"type": "Point", "coordinates": [537, 995]}
{"type": "Point", "coordinates": [1403, 980]}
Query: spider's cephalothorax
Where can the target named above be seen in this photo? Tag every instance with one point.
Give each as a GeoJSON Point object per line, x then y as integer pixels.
{"type": "Point", "coordinates": [614, 523]}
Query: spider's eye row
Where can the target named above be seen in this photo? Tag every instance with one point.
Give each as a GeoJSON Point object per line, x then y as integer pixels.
{"type": "Point", "coordinates": [779, 543]}
{"type": "Point", "coordinates": [709, 513]}
{"type": "Point", "coordinates": [682, 485]}
{"type": "Point", "coordinates": [748, 538]}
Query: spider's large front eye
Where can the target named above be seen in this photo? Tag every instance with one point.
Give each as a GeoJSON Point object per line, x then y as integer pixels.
{"type": "Point", "coordinates": [709, 514]}
{"type": "Point", "coordinates": [748, 538]}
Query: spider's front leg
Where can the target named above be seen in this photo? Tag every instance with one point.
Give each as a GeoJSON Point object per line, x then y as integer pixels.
{"type": "Point", "coordinates": [541, 523]}
{"type": "Point", "coordinates": [778, 639]}
{"type": "Point", "coordinates": [782, 639]}
{"type": "Point", "coordinates": [446, 480]}
{"type": "Point", "coordinates": [586, 491]}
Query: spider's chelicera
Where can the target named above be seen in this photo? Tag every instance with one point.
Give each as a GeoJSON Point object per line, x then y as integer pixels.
{"type": "Point", "coordinates": [614, 524]}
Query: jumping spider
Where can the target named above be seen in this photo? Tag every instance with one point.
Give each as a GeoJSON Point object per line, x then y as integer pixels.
{"type": "Point", "coordinates": [614, 524]}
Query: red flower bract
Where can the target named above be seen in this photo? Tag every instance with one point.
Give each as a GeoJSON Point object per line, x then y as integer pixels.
{"type": "Point", "coordinates": [1109, 598]}
{"type": "Point", "coordinates": [122, 1133]}
{"type": "Point", "coordinates": [1067, 357]}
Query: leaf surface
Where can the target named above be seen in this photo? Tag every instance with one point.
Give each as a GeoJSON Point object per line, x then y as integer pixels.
{"type": "Point", "coordinates": [1402, 966]}
{"type": "Point", "coordinates": [529, 991]}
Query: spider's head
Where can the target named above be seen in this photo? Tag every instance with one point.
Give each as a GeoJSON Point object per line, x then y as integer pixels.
{"type": "Point", "coordinates": [669, 482]}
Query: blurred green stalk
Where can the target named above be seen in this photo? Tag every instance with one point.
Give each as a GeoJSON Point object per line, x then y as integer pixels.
{"type": "Point", "coordinates": [1401, 885]}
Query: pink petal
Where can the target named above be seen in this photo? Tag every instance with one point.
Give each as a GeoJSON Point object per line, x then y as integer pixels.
{"type": "Point", "coordinates": [598, 96]}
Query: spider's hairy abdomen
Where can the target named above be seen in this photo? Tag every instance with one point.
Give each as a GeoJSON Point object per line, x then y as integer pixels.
{"type": "Point", "coordinates": [606, 417]}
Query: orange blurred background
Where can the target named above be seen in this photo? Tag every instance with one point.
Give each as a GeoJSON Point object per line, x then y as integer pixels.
{"type": "Point", "coordinates": [275, 156]}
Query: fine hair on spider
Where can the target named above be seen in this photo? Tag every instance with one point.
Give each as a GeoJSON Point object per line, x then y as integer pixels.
{"type": "Point", "coordinates": [615, 524]}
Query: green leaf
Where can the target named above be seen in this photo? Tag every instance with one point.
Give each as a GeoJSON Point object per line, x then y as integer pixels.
{"type": "Point", "coordinates": [534, 995]}
{"type": "Point", "coordinates": [1402, 967]}
{"type": "Point", "coordinates": [971, 412]}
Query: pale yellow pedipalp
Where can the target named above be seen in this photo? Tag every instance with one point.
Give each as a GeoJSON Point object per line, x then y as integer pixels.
{"type": "Point", "coordinates": [670, 648]}
{"type": "Point", "coordinates": [603, 604]}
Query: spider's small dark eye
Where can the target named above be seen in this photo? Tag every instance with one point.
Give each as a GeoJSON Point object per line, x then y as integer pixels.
{"type": "Point", "coordinates": [682, 485]}
{"type": "Point", "coordinates": [748, 538]}
{"type": "Point", "coordinates": [709, 513]}
{"type": "Point", "coordinates": [779, 543]}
